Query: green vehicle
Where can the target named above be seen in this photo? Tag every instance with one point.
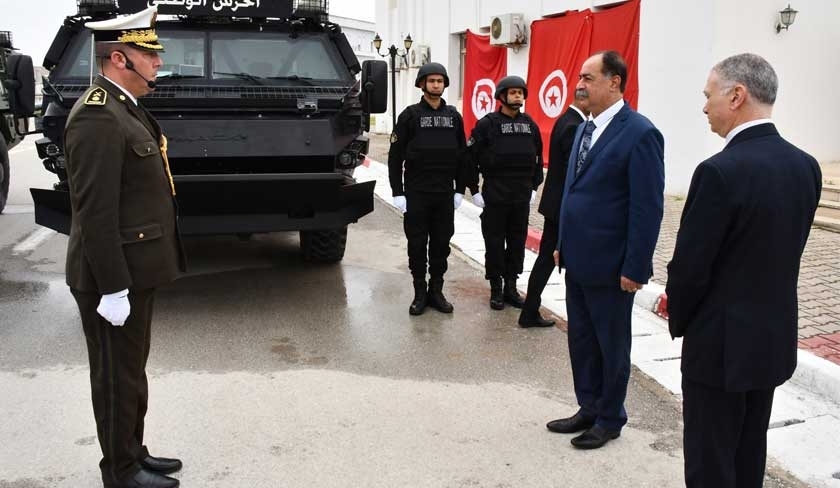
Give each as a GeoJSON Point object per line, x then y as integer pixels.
{"type": "Point", "coordinates": [17, 105]}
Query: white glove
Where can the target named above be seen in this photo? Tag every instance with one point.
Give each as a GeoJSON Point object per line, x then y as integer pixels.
{"type": "Point", "coordinates": [114, 307]}
{"type": "Point", "coordinates": [459, 197]}
{"type": "Point", "coordinates": [533, 196]}
{"type": "Point", "coordinates": [400, 203]}
{"type": "Point", "coordinates": [478, 200]}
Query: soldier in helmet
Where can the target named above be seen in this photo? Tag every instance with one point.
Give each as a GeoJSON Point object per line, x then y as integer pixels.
{"type": "Point", "coordinates": [428, 172]}
{"type": "Point", "coordinates": [123, 241]}
{"type": "Point", "coordinates": [507, 148]}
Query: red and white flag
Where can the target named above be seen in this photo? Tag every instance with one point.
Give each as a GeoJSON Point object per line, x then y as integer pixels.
{"type": "Point", "coordinates": [484, 66]}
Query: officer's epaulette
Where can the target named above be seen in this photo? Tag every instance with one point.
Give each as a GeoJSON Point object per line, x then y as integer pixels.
{"type": "Point", "coordinates": [97, 96]}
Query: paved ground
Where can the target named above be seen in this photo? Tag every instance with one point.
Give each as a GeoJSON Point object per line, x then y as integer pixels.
{"type": "Point", "coordinates": [819, 279]}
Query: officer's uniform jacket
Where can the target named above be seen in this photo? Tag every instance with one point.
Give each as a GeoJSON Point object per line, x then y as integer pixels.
{"type": "Point", "coordinates": [508, 154]}
{"type": "Point", "coordinates": [124, 232]}
{"type": "Point", "coordinates": [428, 150]}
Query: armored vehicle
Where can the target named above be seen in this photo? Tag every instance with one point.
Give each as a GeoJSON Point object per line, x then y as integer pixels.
{"type": "Point", "coordinates": [17, 105]}
{"type": "Point", "coordinates": [264, 114]}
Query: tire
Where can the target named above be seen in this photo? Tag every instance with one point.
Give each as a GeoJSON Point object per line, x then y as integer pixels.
{"type": "Point", "coordinates": [5, 177]}
{"type": "Point", "coordinates": [323, 246]}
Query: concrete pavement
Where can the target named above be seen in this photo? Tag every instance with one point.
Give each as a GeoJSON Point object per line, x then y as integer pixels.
{"type": "Point", "coordinates": [805, 420]}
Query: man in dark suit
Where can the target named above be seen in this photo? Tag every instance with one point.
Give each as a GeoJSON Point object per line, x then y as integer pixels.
{"type": "Point", "coordinates": [123, 240]}
{"type": "Point", "coordinates": [560, 146]}
{"type": "Point", "coordinates": [609, 223]}
{"type": "Point", "coordinates": [732, 281]}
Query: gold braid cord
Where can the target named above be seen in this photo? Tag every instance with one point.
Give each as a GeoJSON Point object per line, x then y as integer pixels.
{"type": "Point", "coordinates": [137, 36]}
{"type": "Point", "coordinates": [163, 146]}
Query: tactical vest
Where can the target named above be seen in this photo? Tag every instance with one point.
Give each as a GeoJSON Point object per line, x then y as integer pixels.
{"type": "Point", "coordinates": [513, 150]}
{"type": "Point", "coordinates": [434, 145]}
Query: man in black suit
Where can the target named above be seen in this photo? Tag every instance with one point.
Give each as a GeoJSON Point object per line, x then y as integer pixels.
{"type": "Point", "coordinates": [732, 282]}
{"type": "Point", "coordinates": [562, 138]}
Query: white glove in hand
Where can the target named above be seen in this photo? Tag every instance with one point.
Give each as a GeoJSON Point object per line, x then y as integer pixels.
{"type": "Point", "coordinates": [459, 197]}
{"type": "Point", "coordinates": [533, 196]}
{"type": "Point", "coordinates": [478, 200]}
{"type": "Point", "coordinates": [114, 307]}
{"type": "Point", "coordinates": [400, 203]}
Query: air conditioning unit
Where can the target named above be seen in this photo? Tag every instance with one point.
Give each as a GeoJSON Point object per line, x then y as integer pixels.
{"type": "Point", "coordinates": [508, 29]}
{"type": "Point", "coordinates": [419, 56]}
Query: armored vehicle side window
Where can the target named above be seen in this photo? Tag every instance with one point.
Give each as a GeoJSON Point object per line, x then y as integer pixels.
{"type": "Point", "coordinates": [269, 55]}
{"type": "Point", "coordinates": [184, 53]}
{"type": "Point", "coordinates": [79, 67]}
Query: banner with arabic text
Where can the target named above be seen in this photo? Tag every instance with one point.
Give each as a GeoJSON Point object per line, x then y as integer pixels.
{"type": "Point", "coordinates": [484, 66]}
{"type": "Point", "coordinates": [233, 8]}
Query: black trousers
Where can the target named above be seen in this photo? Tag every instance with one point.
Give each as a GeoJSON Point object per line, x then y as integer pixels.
{"type": "Point", "coordinates": [543, 266]}
{"type": "Point", "coordinates": [119, 387]}
{"type": "Point", "coordinates": [725, 436]}
{"type": "Point", "coordinates": [505, 229]}
{"type": "Point", "coordinates": [429, 223]}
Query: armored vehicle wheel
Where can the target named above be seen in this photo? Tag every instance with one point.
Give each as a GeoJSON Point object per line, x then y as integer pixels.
{"type": "Point", "coordinates": [323, 246]}
{"type": "Point", "coordinates": [5, 177]}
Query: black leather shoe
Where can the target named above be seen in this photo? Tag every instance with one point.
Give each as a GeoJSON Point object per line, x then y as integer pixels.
{"type": "Point", "coordinates": [146, 479]}
{"type": "Point", "coordinates": [595, 437]}
{"type": "Point", "coordinates": [161, 465]}
{"type": "Point", "coordinates": [533, 319]}
{"type": "Point", "coordinates": [570, 425]}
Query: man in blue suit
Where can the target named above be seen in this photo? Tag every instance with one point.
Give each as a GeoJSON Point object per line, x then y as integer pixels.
{"type": "Point", "coordinates": [732, 281]}
{"type": "Point", "coordinates": [609, 222]}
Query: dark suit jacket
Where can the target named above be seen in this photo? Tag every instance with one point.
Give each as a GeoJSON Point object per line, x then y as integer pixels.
{"type": "Point", "coordinates": [560, 146]}
{"type": "Point", "coordinates": [123, 232]}
{"type": "Point", "coordinates": [732, 281]}
{"type": "Point", "coordinates": [611, 211]}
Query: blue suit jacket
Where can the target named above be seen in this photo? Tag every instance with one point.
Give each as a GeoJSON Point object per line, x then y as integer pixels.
{"type": "Point", "coordinates": [612, 210]}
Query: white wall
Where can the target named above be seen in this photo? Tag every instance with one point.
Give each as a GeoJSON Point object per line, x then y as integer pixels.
{"type": "Point", "coordinates": [679, 42]}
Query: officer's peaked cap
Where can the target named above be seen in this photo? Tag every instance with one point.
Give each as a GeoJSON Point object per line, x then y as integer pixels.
{"type": "Point", "coordinates": [511, 82]}
{"type": "Point", "coordinates": [431, 69]}
{"type": "Point", "coordinates": [135, 30]}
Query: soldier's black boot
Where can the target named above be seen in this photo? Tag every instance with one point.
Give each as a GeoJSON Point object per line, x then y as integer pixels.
{"type": "Point", "coordinates": [421, 298]}
{"type": "Point", "coordinates": [497, 298]}
{"type": "Point", "coordinates": [436, 298]}
{"type": "Point", "coordinates": [511, 294]}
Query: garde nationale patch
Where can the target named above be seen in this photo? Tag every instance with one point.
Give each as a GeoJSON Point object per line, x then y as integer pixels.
{"type": "Point", "coordinates": [394, 138]}
{"type": "Point", "coordinates": [97, 96]}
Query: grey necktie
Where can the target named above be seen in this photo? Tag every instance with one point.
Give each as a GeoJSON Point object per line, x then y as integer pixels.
{"type": "Point", "coordinates": [585, 142]}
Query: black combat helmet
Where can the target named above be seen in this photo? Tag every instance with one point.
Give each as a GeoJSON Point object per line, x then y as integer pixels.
{"type": "Point", "coordinates": [431, 69]}
{"type": "Point", "coordinates": [510, 82]}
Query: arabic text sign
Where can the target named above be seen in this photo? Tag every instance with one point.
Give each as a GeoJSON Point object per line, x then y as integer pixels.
{"type": "Point", "coordinates": [238, 8]}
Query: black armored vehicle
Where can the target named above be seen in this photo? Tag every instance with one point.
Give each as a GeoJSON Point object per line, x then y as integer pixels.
{"type": "Point", "coordinates": [17, 104]}
{"type": "Point", "coordinates": [264, 111]}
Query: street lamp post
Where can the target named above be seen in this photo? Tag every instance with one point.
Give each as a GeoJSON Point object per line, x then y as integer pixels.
{"type": "Point", "coordinates": [393, 52]}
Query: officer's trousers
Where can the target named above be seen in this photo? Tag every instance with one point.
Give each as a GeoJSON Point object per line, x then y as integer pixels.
{"type": "Point", "coordinates": [119, 387]}
{"type": "Point", "coordinates": [429, 220]}
{"type": "Point", "coordinates": [543, 266]}
{"type": "Point", "coordinates": [505, 229]}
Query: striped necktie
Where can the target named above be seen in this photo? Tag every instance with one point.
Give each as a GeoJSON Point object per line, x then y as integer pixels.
{"type": "Point", "coordinates": [585, 143]}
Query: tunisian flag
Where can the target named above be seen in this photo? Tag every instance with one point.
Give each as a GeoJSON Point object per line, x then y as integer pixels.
{"type": "Point", "coordinates": [484, 66]}
{"type": "Point", "coordinates": [560, 45]}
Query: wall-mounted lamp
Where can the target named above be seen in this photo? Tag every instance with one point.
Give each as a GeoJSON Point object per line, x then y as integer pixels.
{"type": "Point", "coordinates": [786, 18]}
{"type": "Point", "coordinates": [393, 52]}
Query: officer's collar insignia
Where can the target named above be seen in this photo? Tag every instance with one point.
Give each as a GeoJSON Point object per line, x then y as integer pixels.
{"type": "Point", "coordinates": [97, 96]}
{"type": "Point", "coordinates": [394, 138]}
{"type": "Point", "coordinates": [471, 141]}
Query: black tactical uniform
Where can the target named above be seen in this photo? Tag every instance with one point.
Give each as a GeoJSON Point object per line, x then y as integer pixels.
{"type": "Point", "coordinates": [508, 154]}
{"type": "Point", "coordinates": [427, 164]}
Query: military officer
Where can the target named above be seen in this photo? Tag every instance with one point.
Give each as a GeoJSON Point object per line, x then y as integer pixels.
{"type": "Point", "coordinates": [507, 148]}
{"type": "Point", "coordinates": [123, 240]}
{"type": "Point", "coordinates": [428, 172]}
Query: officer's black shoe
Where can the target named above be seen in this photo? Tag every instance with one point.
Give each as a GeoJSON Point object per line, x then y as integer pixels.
{"type": "Point", "coordinates": [532, 318]}
{"type": "Point", "coordinates": [421, 298]}
{"type": "Point", "coordinates": [161, 465]}
{"type": "Point", "coordinates": [497, 295]}
{"type": "Point", "coordinates": [146, 479]}
{"type": "Point", "coordinates": [511, 294]}
{"type": "Point", "coordinates": [436, 299]}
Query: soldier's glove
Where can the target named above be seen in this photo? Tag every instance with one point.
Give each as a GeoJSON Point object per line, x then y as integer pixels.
{"type": "Point", "coordinates": [478, 200]}
{"type": "Point", "coordinates": [533, 196]}
{"type": "Point", "coordinates": [400, 203]}
{"type": "Point", "coordinates": [114, 307]}
{"type": "Point", "coordinates": [459, 197]}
